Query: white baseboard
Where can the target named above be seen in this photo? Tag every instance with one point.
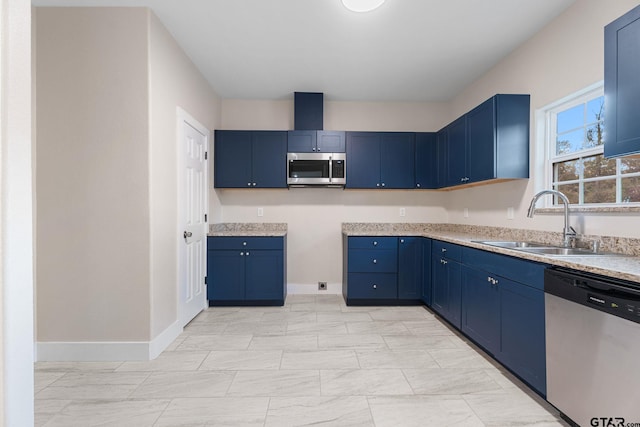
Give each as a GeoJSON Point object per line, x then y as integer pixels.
{"type": "Point", "coordinates": [307, 289]}
{"type": "Point", "coordinates": [110, 351]}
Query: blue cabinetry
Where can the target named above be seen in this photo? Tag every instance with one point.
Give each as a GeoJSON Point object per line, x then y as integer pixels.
{"type": "Point", "coordinates": [426, 271]}
{"type": "Point", "coordinates": [250, 159]}
{"type": "Point", "coordinates": [503, 311]}
{"type": "Point", "coordinates": [246, 270]}
{"type": "Point", "coordinates": [489, 142]}
{"type": "Point", "coordinates": [426, 160]}
{"type": "Point", "coordinates": [381, 160]}
{"type": "Point", "coordinates": [382, 270]}
{"type": "Point", "coordinates": [311, 141]}
{"type": "Point", "coordinates": [446, 283]}
{"type": "Point", "coordinates": [622, 85]}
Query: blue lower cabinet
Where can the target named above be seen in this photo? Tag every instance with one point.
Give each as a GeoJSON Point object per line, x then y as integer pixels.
{"type": "Point", "coordinates": [446, 283]}
{"type": "Point", "coordinates": [246, 270]}
{"type": "Point", "coordinates": [481, 308]}
{"type": "Point", "coordinates": [522, 326]}
{"type": "Point", "coordinates": [410, 268]}
{"type": "Point", "coordinates": [382, 270]}
{"type": "Point", "coordinates": [426, 271]}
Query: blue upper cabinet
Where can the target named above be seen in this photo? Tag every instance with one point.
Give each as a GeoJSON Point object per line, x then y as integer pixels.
{"type": "Point", "coordinates": [442, 150]}
{"type": "Point", "coordinates": [456, 153]}
{"type": "Point", "coordinates": [311, 141]}
{"type": "Point", "coordinates": [302, 141]}
{"type": "Point", "coordinates": [380, 160]}
{"type": "Point", "coordinates": [250, 159]}
{"type": "Point", "coordinates": [489, 142]}
{"type": "Point", "coordinates": [397, 160]}
{"type": "Point", "coordinates": [426, 160]}
{"type": "Point", "coordinates": [331, 141]}
{"type": "Point", "coordinates": [622, 85]}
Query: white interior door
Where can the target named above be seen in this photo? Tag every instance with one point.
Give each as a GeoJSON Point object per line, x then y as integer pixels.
{"type": "Point", "coordinates": [193, 142]}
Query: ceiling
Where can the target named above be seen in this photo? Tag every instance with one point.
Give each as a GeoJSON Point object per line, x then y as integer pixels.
{"type": "Point", "coordinates": [407, 50]}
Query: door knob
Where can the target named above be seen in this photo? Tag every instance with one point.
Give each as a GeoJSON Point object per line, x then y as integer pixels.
{"type": "Point", "coordinates": [187, 234]}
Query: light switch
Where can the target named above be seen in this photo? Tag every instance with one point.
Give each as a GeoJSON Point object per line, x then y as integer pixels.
{"type": "Point", "coordinates": [260, 211]}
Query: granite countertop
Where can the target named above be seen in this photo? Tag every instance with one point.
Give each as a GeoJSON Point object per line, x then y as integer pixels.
{"type": "Point", "coordinates": [269, 229]}
{"type": "Point", "coordinates": [626, 266]}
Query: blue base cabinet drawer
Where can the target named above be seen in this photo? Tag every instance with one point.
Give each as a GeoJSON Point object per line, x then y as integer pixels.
{"type": "Point", "coordinates": [378, 261]}
{"type": "Point", "coordinates": [373, 285]}
{"type": "Point", "coordinates": [376, 242]}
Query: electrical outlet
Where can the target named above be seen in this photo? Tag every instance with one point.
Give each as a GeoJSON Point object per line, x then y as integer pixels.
{"type": "Point", "coordinates": [403, 211]}
{"type": "Point", "coordinates": [260, 211]}
{"type": "Point", "coordinates": [509, 213]}
{"type": "Point", "coordinates": [322, 286]}
{"type": "Point", "coordinates": [465, 213]}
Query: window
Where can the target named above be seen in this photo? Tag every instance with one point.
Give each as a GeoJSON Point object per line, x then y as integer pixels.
{"type": "Point", "coordinates": [576, 164]}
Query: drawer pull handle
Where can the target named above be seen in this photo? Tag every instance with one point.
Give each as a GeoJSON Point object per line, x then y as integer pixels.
{"type": "Point", "coordinates": [375, 261]}
{"type": "Point", "coordinates": [375, 286]}
{"type": "Point", "coordinates": [375, 243]}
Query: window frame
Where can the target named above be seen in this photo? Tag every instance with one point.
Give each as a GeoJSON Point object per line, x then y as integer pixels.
{"type": "Point", "coordinates": [550, 157]}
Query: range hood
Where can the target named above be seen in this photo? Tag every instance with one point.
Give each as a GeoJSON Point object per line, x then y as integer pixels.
{"type": "Point", "coordinates": [308, 111]}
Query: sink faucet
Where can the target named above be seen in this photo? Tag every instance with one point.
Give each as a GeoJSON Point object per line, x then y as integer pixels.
{"type": "Point", "coordinates": [568, 232]}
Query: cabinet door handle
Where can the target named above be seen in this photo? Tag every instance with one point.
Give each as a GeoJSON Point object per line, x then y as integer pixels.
{"type": "Point", "coordinates": [378, 185]}
{"type": "Point", "coordinates": [375, 261]}
{"type": "Point", "coordinates": [247, 253]}
{"type": "Point", "coordinates": [241, 253]}
{"type": "Point", "coordinates": [444, 249]}
{"type": "Point", "coordinates": [375, 286]}
{"type": "Point", "coordinates": [418, 185]}
{"type": "Point", "coordinates": [401, 240]}
{"type": "Point", "coordinates": [383, 184]}
{"type": "Point", "coordinates": [375, 243]}
{"type": "Point", "coordinates": [249, 184]}
{"type": "Point", "coordinates": [254, 184]}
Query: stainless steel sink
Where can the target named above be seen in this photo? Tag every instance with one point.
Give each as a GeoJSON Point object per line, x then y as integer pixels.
{"type": "Point", "coordinates": [545, 249]}
{"type": "Point", "coordinates": [514, 244]}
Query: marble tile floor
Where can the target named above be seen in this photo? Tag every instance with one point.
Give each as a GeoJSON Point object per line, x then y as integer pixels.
{"type": "Point", "coordinates": [314, 361]}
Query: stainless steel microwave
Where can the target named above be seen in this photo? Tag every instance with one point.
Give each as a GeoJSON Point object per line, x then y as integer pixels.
{"type": "Point", "coordinates": [323, 169]}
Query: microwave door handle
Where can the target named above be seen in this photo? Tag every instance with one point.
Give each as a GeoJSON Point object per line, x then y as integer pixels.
{"type": "Point", "coordinates": [330, 170]}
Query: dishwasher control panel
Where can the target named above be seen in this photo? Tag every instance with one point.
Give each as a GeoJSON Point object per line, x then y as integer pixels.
{"type": "Point", "coordinates": [613, 296]}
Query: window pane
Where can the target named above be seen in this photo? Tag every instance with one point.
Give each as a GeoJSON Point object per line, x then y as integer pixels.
{"type": "Point", "coordinates": [566, 171]}
{"type": "Point", "coordinates": [594, 136]}
{"type": "Point", "coordinates": [569, 190]}
{"type": "Point", "coordinates": [570, 142]}
{"type": "Point", "coordinates": [595, 110]}
{"type": "Point", "coordinates": [631, 189]}
{"type": "Point", "coordinates": [599, 166]}
{"type": "Point", "coordinates": [570, 119]}
{"type": "Point", "coordinates": [629, 165]}
{"type": "Point", "coordinates": [600, 191]}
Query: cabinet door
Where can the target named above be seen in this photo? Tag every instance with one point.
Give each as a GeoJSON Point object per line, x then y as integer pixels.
{"type": "Point", "coordinates": [301, 141]}
{"type": "Point", "coordinates": [456, 154]}
{"type": "Point", "coordinates": [481, 140]}
{"type": "Point", "coordinates": [522, 322]}
{"type": "Point", "coordinates": [331, 141]}
{"type": "Point", "coordinates": [439, 286]}
{"type": "Point", "coordinates": [622, 85]}
{"type": "Point", "coordinates": [481, 308]}
{"type": "Point", "coordinates": [454, 282]}
{"type": "Point", "coordinates": [226, 278]}
{"type": "Point", "coordinates": [426, 271]}
{"type": "Point", "coordinates": [269, 159]}
{"type": "Point", "coordinates": [363, 160]}
{"type": "Point", "coordinates": [410, 268]}
{"type": "Point", "coordinates": [264, 275]}
{"type": "Point", "coordinates": [232, 159]}
{"type": "Point", "coordinates": [397, 160]}
{"type": "Point", "coordinates": [442, 152]}
{"type": "Point", "coordinates": [426, 160]}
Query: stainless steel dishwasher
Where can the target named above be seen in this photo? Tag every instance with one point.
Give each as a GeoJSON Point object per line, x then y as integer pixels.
{"type": "Point", "coordinates": [593, 347]}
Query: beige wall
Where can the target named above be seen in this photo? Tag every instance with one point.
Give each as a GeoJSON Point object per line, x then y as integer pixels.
{"type": "Point", "coordinates": [92, 175]}
{"type": "Point", "coordinates": [566, 56]}
{"type": "Point", "coordinates": [173, 81]}
{"type": "Point", "coordinates": [315, 215]}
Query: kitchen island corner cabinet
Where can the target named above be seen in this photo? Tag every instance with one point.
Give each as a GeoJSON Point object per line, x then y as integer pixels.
{"type": "Point", "coordinates": [246, 270]}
